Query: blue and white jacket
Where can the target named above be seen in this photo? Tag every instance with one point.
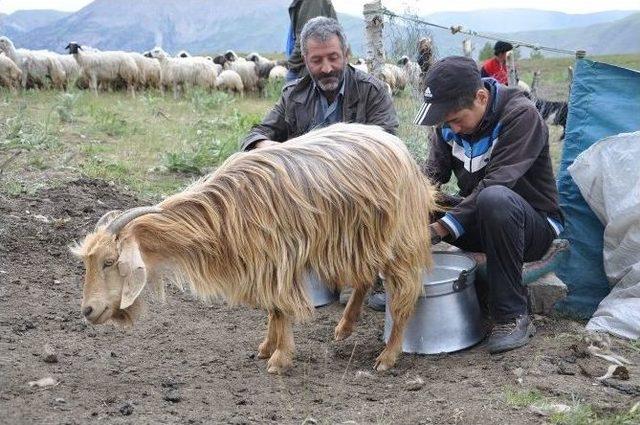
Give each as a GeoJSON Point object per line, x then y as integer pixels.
{"type": "Point", "coordinates": [509, 148]}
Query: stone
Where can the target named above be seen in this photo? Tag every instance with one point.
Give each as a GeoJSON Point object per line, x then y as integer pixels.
{"type": "Point", "coordinates": [49, 354]}
{"type": "Point", "coordinates": [545, 292]}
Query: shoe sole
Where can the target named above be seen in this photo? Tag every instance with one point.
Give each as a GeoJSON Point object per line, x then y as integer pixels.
{"type": "Point", "coordinates": [531, 331]}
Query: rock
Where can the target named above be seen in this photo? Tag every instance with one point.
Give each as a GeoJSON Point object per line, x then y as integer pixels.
{"type": "Point", "coordinates": [549, 409]}
{"type": "Point", "coordinates": [545, 292]}
{"type": "Point", "coordinates": [44, 382]}
{"type": "Point", "coordinates": [172, 396]}
{"type": "Point", "coordinates": [363, 374]}
{"type": "Point", "coordinates": [309, 421]}
{"type": "Point", "coordinates": [126, 409]}
{"type": "Point", "coordinates": [414, 384]}
{"type": "Point", "coordinates": [49, 355]}
{"type": "Point", "coordinates": [60, 400]}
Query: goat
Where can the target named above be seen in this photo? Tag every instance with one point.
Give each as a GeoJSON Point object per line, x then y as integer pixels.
{"type": "Point", "coordinates": [346, 201]}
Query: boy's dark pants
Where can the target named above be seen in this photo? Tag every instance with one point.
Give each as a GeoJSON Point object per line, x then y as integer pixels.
{"type": "Point", "coordinates": [510, 232]}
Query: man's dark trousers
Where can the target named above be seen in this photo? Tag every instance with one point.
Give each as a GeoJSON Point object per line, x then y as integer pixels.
{"type": "Point", "coordinates": [510, 232]}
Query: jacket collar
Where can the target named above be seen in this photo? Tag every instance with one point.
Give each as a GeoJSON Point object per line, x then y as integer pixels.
{"type": "Point", "coordinates": [304, 89]}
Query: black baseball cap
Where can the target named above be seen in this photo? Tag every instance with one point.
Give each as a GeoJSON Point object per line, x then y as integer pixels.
{"type": "Point", "coordinates": [446, 81]}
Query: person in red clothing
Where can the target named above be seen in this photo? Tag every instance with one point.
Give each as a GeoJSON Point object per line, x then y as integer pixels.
{"type": "Point", "coordinates": [496, 67]}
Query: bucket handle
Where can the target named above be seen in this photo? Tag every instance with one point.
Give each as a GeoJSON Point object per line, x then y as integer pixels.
{"type": "Point", "coordinates": [460, 284]}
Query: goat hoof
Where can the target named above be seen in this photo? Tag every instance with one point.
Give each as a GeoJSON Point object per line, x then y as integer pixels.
{"type": "Point", "coordinates": [278, 362]}
{"type": "Point", "coordinates": [264, 350]}
{"type": "Point", "coordinates": [343, 330]}
{"type": "Point", "coordinates": [385, 361]}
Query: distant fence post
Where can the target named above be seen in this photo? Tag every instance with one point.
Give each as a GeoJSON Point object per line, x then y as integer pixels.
{"type": "Point", "coordinates": [513, 72]}
{"type": "Point", "coordinates": [534, 84]}
{"type": "Point", "coordinates": [467, 48]}
{"type": "Point", "coordinates": [373, 32]}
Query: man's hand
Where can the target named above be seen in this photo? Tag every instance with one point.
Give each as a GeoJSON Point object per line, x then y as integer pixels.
{"type": "Point", "coordinates": [438, 231]}
{"type": "Point", "coordinates": [265, 143]}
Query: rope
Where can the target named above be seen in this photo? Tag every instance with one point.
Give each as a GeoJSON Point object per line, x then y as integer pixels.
{"type": "Point", "coordinates": [459, 29]}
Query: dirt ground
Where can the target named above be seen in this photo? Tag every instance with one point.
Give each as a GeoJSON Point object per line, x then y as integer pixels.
{"type": "Point", "coordinates": [187, 362]}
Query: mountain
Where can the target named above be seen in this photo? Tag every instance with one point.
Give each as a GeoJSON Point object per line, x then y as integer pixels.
{"type": "Point", "coordinates": [621, 36]}
{"type": "Point", "coordinates": [23, 21]}
{"type": "Point", "coordinates": [514, 20]}
{"type": "Point", "coordinates": [202, 26]}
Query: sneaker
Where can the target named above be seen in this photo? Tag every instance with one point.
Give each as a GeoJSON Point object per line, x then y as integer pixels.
{"type": "Point", "coordinates": [512, 334]}
{"type": "Point", "coordinates": [377, 301]}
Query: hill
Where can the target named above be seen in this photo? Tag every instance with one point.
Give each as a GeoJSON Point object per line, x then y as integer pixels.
{"type": "Point", "coordinates": [261, 25]}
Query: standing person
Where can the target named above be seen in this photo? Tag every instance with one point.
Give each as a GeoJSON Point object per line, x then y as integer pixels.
{"type": "Point", "coordinates": [496, 67]}
{"type": "Point", "coordinates": [492, 138]}
{"type": "Point", "coordinates": [300, 11]}
{"type": "Point", "coordinates": [332, 91]}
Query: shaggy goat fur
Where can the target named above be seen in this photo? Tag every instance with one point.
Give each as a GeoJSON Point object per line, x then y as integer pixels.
{"type": "Point", "coordinates": [346, 201]}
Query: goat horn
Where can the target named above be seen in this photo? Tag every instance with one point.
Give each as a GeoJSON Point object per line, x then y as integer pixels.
{"type": "Point", "coordinates": [123, 219]}
{"type": "Point", "coordinates": [106, 218]}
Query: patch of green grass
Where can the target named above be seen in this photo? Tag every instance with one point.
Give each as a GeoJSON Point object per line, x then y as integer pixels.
{"type": "Point", "coordinates": [579, 414]}
{"type": "Point", "coordinates": [520, 398]}
{"type": "Point", "coordinates": [66, 103]}
{"type": "Point", "coordinates": [110, 122]}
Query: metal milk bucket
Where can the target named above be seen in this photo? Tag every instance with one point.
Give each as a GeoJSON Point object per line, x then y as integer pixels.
{"type": "Point", "coordinates": [320, 295]}
{"type": "Point", "coordinates": [447, 316]}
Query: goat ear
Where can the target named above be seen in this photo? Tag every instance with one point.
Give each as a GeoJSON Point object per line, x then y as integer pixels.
{"type": "Point", "coordinates": [133, 272]}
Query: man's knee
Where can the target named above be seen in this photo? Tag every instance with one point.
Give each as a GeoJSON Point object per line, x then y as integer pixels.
{"type": "Point", "coordinates": [496, 203]}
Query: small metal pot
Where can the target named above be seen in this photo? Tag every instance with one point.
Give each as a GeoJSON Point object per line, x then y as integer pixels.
{"type": "Point", "coordinates": [447, 317]}
{"type": "Point", "coordinates": [317, 290]}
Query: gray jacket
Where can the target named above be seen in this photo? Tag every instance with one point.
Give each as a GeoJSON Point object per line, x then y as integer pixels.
{"type": "Point", "coordinates": [366, 101]}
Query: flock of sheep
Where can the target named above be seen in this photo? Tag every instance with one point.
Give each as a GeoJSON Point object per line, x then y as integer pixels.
{"type": "Point", "coordinates": [90, 68]}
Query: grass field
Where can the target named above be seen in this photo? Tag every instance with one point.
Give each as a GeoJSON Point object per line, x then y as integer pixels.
{"type": "Point", "coordinates": [155, 145]}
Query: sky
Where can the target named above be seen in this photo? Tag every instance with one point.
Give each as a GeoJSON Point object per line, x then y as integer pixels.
{"type": "Point", "coordinates": [422, 7]}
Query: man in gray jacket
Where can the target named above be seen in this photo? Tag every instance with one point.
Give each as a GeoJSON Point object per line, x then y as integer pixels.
{"type": "Point", "coordinates": [333, 91]}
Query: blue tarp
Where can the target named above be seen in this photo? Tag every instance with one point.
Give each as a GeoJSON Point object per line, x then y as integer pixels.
{"type": "Point", "coordinates": [604, 101]}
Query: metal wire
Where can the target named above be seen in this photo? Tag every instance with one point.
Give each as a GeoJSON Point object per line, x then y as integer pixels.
{"type": "Point", "coordinates": [459, 29]}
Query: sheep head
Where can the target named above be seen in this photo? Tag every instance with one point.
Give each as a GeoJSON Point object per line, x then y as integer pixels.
{"type": "Point", "coordinates": [73, 47]}
{"type": "Point", "coordinates": [115, 272]}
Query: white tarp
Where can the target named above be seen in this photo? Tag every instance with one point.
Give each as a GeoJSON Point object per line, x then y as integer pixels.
{"type": "Point", "coordinates": [608, 176]}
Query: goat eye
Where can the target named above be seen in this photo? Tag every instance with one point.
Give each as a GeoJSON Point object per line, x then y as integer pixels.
{"type": "Point", "coordinates": [107, 263]}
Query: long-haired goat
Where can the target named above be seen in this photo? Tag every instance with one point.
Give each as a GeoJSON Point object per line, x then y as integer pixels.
{"type": "Point", "coordinates": [346, 201]}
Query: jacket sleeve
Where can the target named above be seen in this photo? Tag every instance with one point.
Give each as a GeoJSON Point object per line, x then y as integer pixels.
{"type": "Point", "coordinates": [308, 9]}
{"type": "Point", "coordinates": [519, 144]}
{"type": "Point", "coordinates": [273, 127]}
{"type": "Point", "coordinates": [380, 110]}
{"type": "Point", "coordinates": [438, 166]}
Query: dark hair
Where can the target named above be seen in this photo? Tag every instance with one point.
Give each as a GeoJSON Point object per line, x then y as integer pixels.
{"type": "Point", "coordinates": [322, 29]}
{"type": "Point", "coordinates": [501, 47]}
{"type": "Point", "coordinates": [465, 100]}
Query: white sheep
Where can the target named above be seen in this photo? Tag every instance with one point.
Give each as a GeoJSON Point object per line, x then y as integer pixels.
{"type": "Point", "coordinates": [149, 71]}
{"type": "Point", "coordinates": [10, 74]}
{"type": "Point", "coordinates": [361, 65]}
{"type": "Point", "coordinates": [278, 72]}
{"type": "Point", "coordinates": [182, 72]}
{"type": "Point", "coordinates": [106, 67]}
{"type": "Point", "coordinates": [38, 66]}
{"type": "Point", "coordinates": [229, 80]}
{"type": "Point", "coordinates": [411, 71]}
{"type": "Point", "coordinates": [246, 69]}
{"type": "Point", "coordinates": [394, 76]}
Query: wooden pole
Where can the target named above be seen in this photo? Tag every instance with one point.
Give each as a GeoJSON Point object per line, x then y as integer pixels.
{"type": "Point", "coordinates": [467, 48]}
{"type": "Point", "coordinates": [373, 31]}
